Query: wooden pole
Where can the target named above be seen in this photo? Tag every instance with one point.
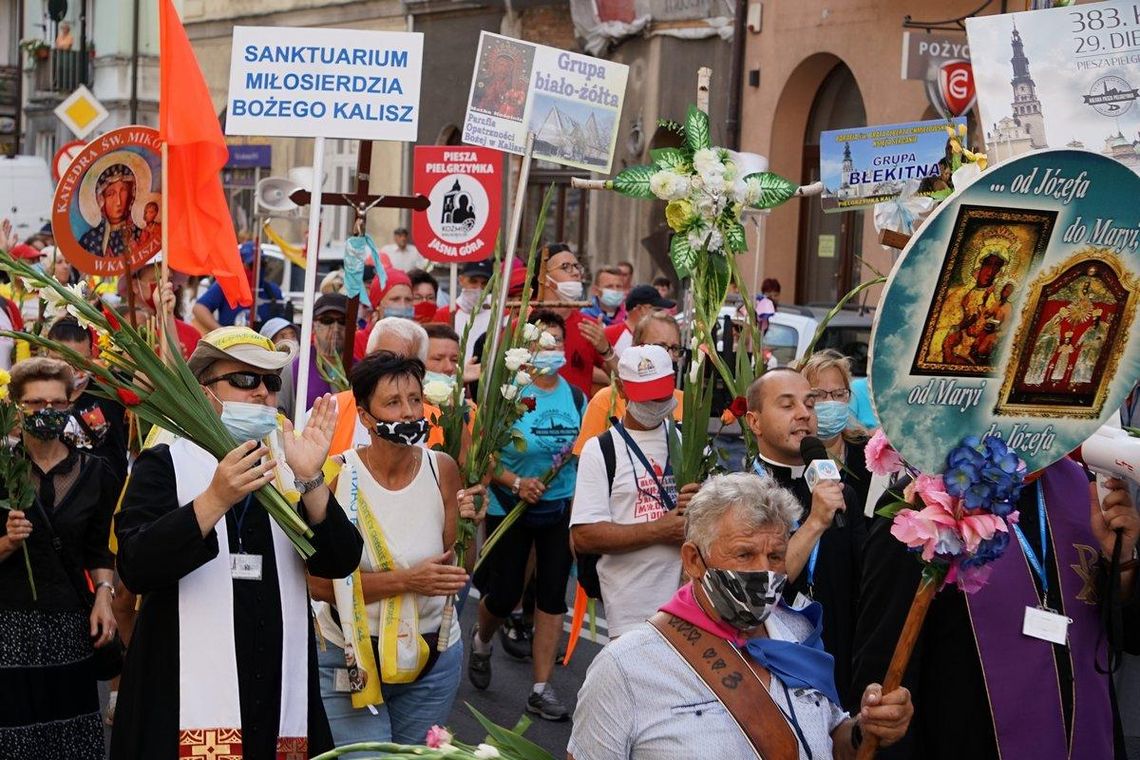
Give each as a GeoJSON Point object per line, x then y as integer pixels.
{"type": "Point", "coordinates": [901, 658]}
{"type": "Point", "coordinates": [512, 241]}
{"type": "Point", "coordinates": [165, 322]}
{"type": "Point", "coordinates": [704, 77]}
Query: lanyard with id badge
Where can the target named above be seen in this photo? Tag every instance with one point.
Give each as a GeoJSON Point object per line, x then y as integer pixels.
{"type": "Point", "coordinates": [1042, 622]}
{"type": "Point", "coordinates": [244, 567]}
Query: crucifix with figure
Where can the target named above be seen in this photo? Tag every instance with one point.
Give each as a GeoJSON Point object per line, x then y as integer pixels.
{"type": "Point", "coordinates": [360, 201]}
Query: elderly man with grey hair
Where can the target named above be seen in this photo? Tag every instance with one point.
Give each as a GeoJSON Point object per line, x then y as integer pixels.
{"type": "Point", "coordinates": [725, 669]}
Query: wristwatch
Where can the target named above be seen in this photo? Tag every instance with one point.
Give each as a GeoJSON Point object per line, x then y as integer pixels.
{"type": "Point", "coordinates": [304, 486]}
{"type": "Point", "coordinates": [516, 485]}
{"type": "Point", "coordinates": [105, 584]}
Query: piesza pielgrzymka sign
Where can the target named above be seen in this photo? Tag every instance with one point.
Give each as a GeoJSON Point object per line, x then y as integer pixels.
{"type": "Point", "coordinates": [304, 82]}
{"type": "Point", "coordinates": [464, 185]}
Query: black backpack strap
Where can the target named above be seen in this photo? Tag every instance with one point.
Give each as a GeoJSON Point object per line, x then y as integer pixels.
{"type": "Point", "coordinates": [609, 456]}
{"type": "Point", "coordinates": [579, 398]}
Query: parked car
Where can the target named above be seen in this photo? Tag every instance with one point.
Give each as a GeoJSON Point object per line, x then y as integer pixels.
{"type": "Point", "coordinates": [26, 192]}
{"type": "Point", "coordinates": [792, 328]}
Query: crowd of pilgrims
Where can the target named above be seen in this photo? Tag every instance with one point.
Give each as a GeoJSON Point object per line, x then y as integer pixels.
{"type": "Point", "coordinates": [156, 567]}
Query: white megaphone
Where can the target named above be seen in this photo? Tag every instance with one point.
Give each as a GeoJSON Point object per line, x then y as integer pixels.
{"type": "Point", "coordinates": [1112, 452]}
{"type": "Point", "coordinates": [273, 196]}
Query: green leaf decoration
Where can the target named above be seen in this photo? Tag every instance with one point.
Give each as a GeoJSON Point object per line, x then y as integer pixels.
{"type": "Point", "coordinates": [517, 745]}
{"type": "Point", "coordinates": [734, 238]}
{"type": "Point", "coordinates": [669, 158]}
{"type": "Point", "coordinates": [672, 126]}
{"type": "Point", "coordinates": [633, 182]}
{"type": "Point", "coordinates": [774, 189]}
{"type": "Point", "coordinates": [682, 255]}
{"type": "Point", "coordinates": [697, 134]}
{"type": "Point", "coordinates": [711, 280]}
{"type": "Point", "coordinates": [892, 509]}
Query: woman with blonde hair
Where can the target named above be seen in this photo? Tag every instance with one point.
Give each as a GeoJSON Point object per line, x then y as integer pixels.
{"type": "Point", "coordinates": [829, 373]}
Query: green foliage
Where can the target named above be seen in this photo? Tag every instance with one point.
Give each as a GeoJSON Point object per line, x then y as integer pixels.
{"type": "Point", "coordinates": [734, 239]}
{"type": "Point", "coordinates": [510, 742]}
{"type": "Point", "coordinates": [774, 189]}
{"type": "Point", "coordinates": [697, 134]}
{"type": "Point", "coordinates": [670, 158]}
{"type": "Point", "coordinates": [633, 182]}
{"type": "Point", "coordinates": [672, 126]}
{"type": "Point", "coordinates": [682, 255]}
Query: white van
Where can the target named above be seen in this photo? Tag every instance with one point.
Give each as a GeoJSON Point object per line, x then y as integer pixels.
{"type": "Point", "coordinates": [26, 192]}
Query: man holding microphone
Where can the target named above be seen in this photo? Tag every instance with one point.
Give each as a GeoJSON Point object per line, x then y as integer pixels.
{"type": "Point", "coordinates": [825, 552]}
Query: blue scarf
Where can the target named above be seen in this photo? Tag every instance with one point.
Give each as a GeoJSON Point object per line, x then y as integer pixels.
{"type": "Point", "coordinates": [804, 665]}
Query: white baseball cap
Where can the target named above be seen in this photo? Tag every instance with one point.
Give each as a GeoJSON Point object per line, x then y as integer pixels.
{"type": "Point", "coordinates": [646, 373]}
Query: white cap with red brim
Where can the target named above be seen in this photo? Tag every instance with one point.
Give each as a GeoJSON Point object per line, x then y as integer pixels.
{"type": "Point", "coordinates": [646, 373]}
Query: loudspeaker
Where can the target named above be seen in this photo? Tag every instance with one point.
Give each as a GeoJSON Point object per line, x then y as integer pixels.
{"type": "Point", "coordinates": [273, 195]}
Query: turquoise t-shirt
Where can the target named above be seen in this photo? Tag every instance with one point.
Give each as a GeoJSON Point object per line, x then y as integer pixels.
{"type": "Point", "coordinates": [551, 427]}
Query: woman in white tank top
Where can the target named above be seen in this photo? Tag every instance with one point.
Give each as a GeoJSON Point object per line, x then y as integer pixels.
{"type": "Point", "coordinates": [405, 500]}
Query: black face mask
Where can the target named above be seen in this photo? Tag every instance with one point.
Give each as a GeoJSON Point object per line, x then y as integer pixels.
{"type": "Point", "coordinates": [403, 433]}
{"type": "Point", "coordinates": [743, 598]}
{"type": "Point", "coordinates": [46, 424]}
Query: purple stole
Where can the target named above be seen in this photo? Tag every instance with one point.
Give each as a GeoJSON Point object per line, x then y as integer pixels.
{"type": "Point", "coordinates": [1020, 672]}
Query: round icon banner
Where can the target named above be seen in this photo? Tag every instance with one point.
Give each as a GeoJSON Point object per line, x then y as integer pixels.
{"type": "Point", "coordinates": [106, 216]}
{"type": "Point", "coordinates": [1012, 312]}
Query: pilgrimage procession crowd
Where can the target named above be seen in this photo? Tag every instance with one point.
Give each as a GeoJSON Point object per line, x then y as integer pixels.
{"type": "Point", "coordinates": [748, 615]}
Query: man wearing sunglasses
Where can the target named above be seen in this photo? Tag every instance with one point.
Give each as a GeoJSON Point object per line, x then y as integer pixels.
{"type": "Point", "coordinates": [223, 649]}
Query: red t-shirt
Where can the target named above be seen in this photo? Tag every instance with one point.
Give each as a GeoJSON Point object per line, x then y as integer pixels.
{"type": "Point", "coordinates": [188, 337]}
{"type": "Point", "coordinates": [581, 356]}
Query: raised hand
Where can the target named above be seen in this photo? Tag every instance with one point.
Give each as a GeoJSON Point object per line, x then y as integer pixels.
{"type": "Point", "coordinates": [306, 453]}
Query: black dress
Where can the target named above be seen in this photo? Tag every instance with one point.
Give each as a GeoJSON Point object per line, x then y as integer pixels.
{"type": "Point", "coordinates": [159, 543]}
{"type": "Point", "coordinates": [49, 701]}
{"type": "Point", "coordinates": [835, 584]}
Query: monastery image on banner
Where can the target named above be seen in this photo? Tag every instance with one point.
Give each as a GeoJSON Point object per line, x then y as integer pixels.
{"type": "Point", "coordinates": [563, 132]}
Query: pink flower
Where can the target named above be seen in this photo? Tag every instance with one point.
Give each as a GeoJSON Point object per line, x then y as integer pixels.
{"type": "Point", "coordinates": [932, 491]}
{"type": "Point", "coordinates": [978, 528]}
{"type": "Point", "coordinates": [437, 736]}
{"type": "Point", "coordinates": [882, 459]}
{"type": "Point", "coordinates": [970, 579]}
{"type": "Point", "coordinates": [916, 531]}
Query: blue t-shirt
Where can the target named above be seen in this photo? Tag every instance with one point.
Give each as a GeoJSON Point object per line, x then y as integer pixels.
{"type": "Point", "coordinates": [860, 404]}
{"type": "Point", "coordinates": [551, 427]}
{"type": "Point", "coordinates": [215, 300]}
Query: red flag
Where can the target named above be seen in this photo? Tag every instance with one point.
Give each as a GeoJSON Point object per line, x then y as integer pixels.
{"type": "Point", "coordinates": [200, 233]}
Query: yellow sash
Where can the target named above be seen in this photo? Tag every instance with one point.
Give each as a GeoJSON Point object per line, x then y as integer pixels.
{"type": "Point", "coordinates": [403, 651]}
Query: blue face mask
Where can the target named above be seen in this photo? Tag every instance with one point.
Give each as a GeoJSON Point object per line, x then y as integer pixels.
{"type": "Point", "coordinates": [248, 422]}
{"type": "Point", "coordinates": [549, 362]}
{"type": "Point", "coordinates": [612, 298]}
{"type": "Point", "coordinates": [831, 418]}
{"type": "Point", "coordinates": [403, 312]}
{"type": "Point", "coordinates": [438, 377]}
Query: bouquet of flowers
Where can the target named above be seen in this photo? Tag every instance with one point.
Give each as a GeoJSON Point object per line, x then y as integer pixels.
{"type": "Point", "coordinates": [509, 744]}
{"type": "Point", "coordinates": [160, 392]}
{"type": "Point", "coordinates": [957, 523]}
{"type": "Point", "coordinates": [15, 470]}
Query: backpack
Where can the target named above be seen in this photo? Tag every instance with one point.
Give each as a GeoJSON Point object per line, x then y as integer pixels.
{"type": "Point", "coordinates": [588, 563]}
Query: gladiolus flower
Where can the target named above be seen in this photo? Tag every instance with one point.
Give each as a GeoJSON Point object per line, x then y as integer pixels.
{"type": "Point", "coordinates": [486, 752]}
{"type": "Point", "coordinates": [515, 358]}
{"type": "Point", "coordinates": [112, 319]}
{"type": "Point", "coordinates": [437, 736]}
{"type": "Point", "coordinates": [128, 397]}
{"type": "Point", "coordinates": [529, 402]}
{"type": "Point", "coordinates": [530, 332]}
{"type": "Point", "coordinates": [509, 391]}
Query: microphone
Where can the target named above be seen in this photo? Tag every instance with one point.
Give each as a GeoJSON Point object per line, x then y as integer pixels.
{"type": "Point", "coordinates": [820, 467]}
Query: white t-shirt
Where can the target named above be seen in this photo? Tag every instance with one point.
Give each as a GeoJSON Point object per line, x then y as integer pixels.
{"type": "Point", "coordinates": [405, 258]}
{"type": "Point", "coordinates": [479, 324]}
{"type": "Point", "coordinates": [7, 345]}
{"type": "Point", "coordinates": [634, 584]}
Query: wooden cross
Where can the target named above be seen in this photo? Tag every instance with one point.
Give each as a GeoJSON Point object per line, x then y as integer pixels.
{"type": "Point", "coordinates": [360, 202]}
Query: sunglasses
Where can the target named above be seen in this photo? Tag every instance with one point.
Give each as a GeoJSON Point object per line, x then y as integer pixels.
{"type": "Point", "coordinates": [331, 320]}
{"type": "Point", "coordinates": [247, 381]}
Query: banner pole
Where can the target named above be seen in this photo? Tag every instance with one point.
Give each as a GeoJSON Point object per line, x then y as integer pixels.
{"type": "Point", "coordinates": [312, 253]}
{"type": "Point", "coordinates": [453, 285]}
{"type": "Point", "coordinates": [512, 241]}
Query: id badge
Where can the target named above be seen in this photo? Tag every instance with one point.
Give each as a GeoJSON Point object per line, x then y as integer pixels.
{"type": "Point", "coordinates": [245, 567]}
{"type": "Point", "coordinates": [341, 681]}
{"type": "Point", "coordinates": [1046, 625]}
{"type": "Point", "coordinates": [801, 601]}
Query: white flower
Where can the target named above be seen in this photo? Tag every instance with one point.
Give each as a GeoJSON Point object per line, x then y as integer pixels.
{"type": "Point", "coordinates": [695, 370]}
{"type": "Point", "coordinates": [965, 174]}
{"type": "Point", "coordinates": [668, 185]}
{"type": "Point", "coordinates": [715, 184]}
{"type": "Point", "coordinates": [730, 171]}
{"type": "Point", "coordinates": [706, 239]}
{"type": "Point", "coordinates": [509, 391]}
{"type": "Point", "coordinates": [516, 357]}
{"type": "Point", "coordinates": [486, 752]}
{"type": "Point", "coordinates": [751, 192]}
{"type": "Point", "coordinates": [437, 392]}
{"type": "Point", "coordinates": [522, 378]}
{"type": "Point", "coordinates": [75, 312]}
{"type": "Point", "coordinates": [546, 340]}
{"type": "Point", "coordinates": [706, 162]}
{"type": "Point", "coordinates": [530, 332]}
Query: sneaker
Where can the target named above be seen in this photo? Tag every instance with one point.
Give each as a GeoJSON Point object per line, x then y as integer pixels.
{"type": "Point", "coordinates": [546, 705]}
{"type": "Point", "coordinates": [478, 665]}
{"type": "Point", "coordinates": [515, 636]}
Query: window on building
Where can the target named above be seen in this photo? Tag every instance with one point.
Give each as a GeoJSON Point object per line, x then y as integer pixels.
{"type": "Point", "coordinates": [340, 163]}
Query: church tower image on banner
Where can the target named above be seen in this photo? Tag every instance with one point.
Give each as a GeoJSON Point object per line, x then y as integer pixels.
{"type": "Point", "coordinates": [1024, 130]}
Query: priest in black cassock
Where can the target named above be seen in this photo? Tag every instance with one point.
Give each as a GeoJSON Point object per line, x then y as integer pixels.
{"type": "Point", "coordinates": [222, 663]}
{"type": "Point", "coordinates": [824, 560]}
